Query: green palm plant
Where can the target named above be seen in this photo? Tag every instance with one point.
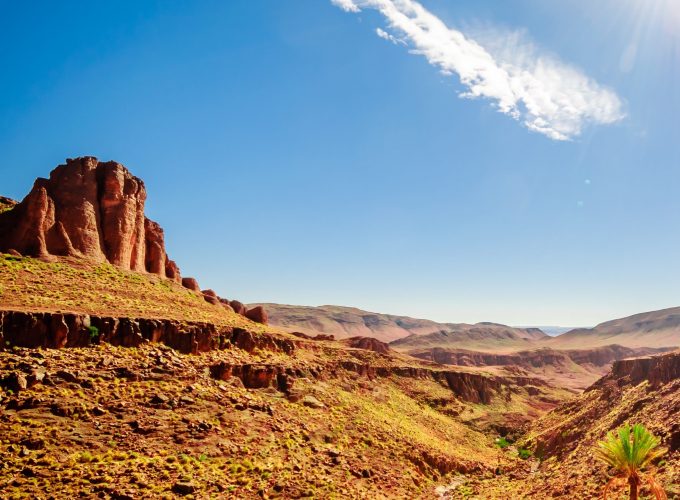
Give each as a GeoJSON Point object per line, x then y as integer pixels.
{"type": "Point", "coordinates": [629, 451]}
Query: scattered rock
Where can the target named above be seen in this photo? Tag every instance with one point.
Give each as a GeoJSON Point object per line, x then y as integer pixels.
{"type": "Point", "coordinates": [183, 488]}
{"type": "Point", "coordinates": [67, 376]}
{"type": "Point", "coordinates": [160, 399]}
{"type": "Point", "coordinates": [15, 382]}
{"type": "Point", "coordinates": [258, 315]}
{"type": "Point", "coordinates": [312, 402]}
{"type": "Point", "coordinates": [294, 396]}
{"type": "Point", "coordinates": [191, 284]}
{"type": "Point", "coordinates": [186, 400]}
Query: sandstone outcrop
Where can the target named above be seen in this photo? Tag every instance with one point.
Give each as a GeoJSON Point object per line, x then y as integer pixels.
{"type": "Point", "coordinates": [94, 210]}
{"type": "Point", "coordinates": [257, 314]}
{"type": "Point", "coordinates": [88, 209]}
{"type": "Point", "coordinates": [24, 329]}
{"type": "Point", "coordinates": [191, 284]}
{"type": "Point", "coordinates": [368, 343]}
{"type": "Point", "coordinates": [238, 307]}
{"type": "Point", "coordinates": [657, 370]}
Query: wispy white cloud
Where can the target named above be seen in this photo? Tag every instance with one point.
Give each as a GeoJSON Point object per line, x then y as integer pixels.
{"type": "Point", "coordinates": [545, 94]}
{"type": "Point", "coordinates": [389, 37]}
{"type": "Point", "coordinates": [346, 5]}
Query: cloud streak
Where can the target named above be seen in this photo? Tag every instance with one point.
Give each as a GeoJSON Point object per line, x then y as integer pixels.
{"type": "Point", "coordinates": [545, 94]}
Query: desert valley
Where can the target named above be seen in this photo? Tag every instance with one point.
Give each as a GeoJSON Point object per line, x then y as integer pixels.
{"type": "Point", "coordinates": [122, 379]}
{"type": "Point", "coordinates": [340, 249]}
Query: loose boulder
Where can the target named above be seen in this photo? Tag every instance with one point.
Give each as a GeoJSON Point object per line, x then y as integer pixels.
{"type": "Point", "coordinates": [238, 307]}
{"type": "Point", "coordinates": [257, 314]}
{"type": "Point", "coordinates": [191, 284]}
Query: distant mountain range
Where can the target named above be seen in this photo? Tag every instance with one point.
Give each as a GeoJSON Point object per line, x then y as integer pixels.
{"type": "Point", "coordinates": [656, 329]}
{"type": "Point", "coordinates": [649, 329]}
{"type": "Point", "coordinates": [345, 322]}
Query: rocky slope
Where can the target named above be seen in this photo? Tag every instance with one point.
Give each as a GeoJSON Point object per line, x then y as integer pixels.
{"type": "Point", "coordinates": [251, 416]}
{"type": "Point", "coordinates": [644, 390]}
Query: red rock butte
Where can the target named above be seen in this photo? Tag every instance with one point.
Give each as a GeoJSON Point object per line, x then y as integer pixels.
{"type": "Point", "coordinates": [94, 210]}
{"type": "Point", "coordinates": [88, 209]}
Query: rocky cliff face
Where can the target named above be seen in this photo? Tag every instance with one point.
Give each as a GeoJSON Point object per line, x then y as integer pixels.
{"type": "Point", "coordinates": [657, 370]}
{"type": "Point", "coordinates": [33, 330]}
{"type": "Point", "coordinates": [94, 210]}
{"type": "Point", "coordinates": [88, 209]}
{"type": "Point", "coordinates": [599, 357]}
{"type": "Point", "coordinates": [26, 329]}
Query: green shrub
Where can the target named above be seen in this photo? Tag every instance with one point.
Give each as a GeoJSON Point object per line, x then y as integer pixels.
{"type": "Point", "coordinates": [524, 454]}
{"type": "Point", "coordinates": [502, 443]}
{"type": "Point", "coordinates": [94, 333]}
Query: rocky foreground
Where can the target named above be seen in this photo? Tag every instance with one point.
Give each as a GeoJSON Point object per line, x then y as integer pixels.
{"type": "Point", "coordinates": [150, 422]}
{"type": "Point", "coordinates": [319, 421]}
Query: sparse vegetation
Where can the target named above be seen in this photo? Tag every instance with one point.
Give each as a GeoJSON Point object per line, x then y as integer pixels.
{"type": "Point", "coordinates": [31, 284]}
{"type": "Point", "coordinates": [94, 333]}
{"type": "Point", "coordinates": [502, 443]}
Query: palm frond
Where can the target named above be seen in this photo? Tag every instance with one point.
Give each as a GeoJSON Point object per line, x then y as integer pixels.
{"type": "Point", "coordinates": [629, 451]}
{"type": "Point", "coordinates": [610, 484]}
{"type": "Point", "coordinates": [656, 489]}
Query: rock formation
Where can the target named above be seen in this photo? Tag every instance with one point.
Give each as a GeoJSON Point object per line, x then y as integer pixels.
{"type": "Point", "coordinates": [28, 329]}
{"type": "Point", "coordinates": [368, 343]}
{"type": "Point", "coordinates": [191, 284]}
{"type": "Point", "coordinates": [237, 306]}
{"type": "Point", "coordinates": [88, 209]}
{"type": "Point", "coordinates": [94, 210]}
{"type": "Point", "coordinates": [257, 314]}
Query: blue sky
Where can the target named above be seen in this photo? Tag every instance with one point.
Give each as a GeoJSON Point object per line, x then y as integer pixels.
{"type": "Point", "coordinates": [294, 155]}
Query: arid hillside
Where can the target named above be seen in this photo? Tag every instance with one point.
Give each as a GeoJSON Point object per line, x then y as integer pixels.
{"type": "Point", "coordinates": [343, 322]}
{"type": "Point", "coordinates": [121, 379]}
{"type": "Point", "coordinates": [484, 337]}
{"type": "Point", "coordinates": [655, 329]}
{"type": "Point", "coordinates": [649, 329]}
{"type": "Point", "coordinates": [644, 390]}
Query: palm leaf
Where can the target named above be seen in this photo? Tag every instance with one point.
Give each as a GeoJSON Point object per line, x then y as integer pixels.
{"type": "Point", "coordinates": [629, 451]}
